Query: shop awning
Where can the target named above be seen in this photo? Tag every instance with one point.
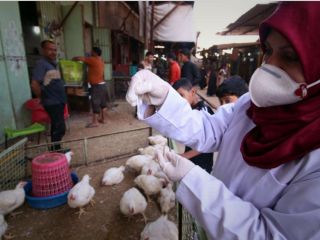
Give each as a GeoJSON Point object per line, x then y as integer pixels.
{"type": "Point", "coordinates": [172, 21]}
{"type": "Point", "coordinates": [248, 23]}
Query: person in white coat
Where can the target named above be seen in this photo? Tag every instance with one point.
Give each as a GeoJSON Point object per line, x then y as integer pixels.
{"type": "Point", "coordinates": [266, 181]}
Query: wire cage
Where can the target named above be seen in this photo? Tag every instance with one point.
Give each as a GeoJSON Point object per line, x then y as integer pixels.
{"type": "Point", "coordinates": [13, 165]}
{"type": "Point", "coordinates": [188, 228]}
{"type": "Point", "coordinates": [109, 146]}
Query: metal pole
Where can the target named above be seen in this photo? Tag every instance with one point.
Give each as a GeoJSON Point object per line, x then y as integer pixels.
{"type": "Point", "coordinates": [145, 25]}
{"type": "Point", "coordinates": [151, 27]}
{"type": "Point", "coordinates": [85, 150]}
{"type": "Point", "coordinates": [180, 221]}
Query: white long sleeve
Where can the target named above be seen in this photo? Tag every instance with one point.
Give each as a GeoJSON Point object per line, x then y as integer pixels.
{"type": "Point", "coordinates": [294, 215]}
{"type": "Point", "coordinates": [187, 126]}
{"type": "Point", "coordinates": [240, 201]}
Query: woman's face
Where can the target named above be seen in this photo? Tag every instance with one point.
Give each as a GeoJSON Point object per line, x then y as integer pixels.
{"type": "Point", "coordinates": [281, 54]}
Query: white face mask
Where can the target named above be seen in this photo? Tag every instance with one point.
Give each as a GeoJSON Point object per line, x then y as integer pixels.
{"type": "Point", "coordinates": [271, 86]}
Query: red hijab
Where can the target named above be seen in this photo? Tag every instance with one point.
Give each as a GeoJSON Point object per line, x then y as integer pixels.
{"type": "Point", "coordinates": [288, 132]}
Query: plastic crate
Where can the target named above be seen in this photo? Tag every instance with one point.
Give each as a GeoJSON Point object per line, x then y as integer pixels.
{"type": "Point", "coordinates": [72, 72]}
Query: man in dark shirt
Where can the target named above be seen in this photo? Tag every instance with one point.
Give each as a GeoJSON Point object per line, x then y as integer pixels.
{"type": "Point", "coordinates": [231, 89]}
{"type": "Point", "coordinates": [189, 70]}
{"type": "Point", "coordinates": [47, 84]}
{"type": "Point", "coordinates": [185, 89]}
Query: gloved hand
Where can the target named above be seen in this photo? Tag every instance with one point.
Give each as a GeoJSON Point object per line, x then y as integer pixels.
{"type": "Point", "coordinates": [173, 165]}
{"type": "Point", "coordinates": [148, 87]}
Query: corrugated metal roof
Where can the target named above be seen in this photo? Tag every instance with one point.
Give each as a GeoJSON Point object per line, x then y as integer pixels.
{"type": "Point", "coordinates": [236, 45]}
{"type": "Point", "coordinates": [248, 23]}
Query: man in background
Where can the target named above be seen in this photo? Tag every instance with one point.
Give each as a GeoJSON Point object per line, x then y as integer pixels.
{"type": "Point", "coordinates": [231, 89]}
{"type": "Point", "coordinates": [189, 70]}
{"type": "Point", "coordinates": [98, 86]}
{"type": "Point", "coordinates": [47, 85]}
{"type": "Point", "coordinates": [148, 61]}
{"type": "Point", "coordinates": [184, 87]}
{"type": "Point", "coordinates": [174, 68]}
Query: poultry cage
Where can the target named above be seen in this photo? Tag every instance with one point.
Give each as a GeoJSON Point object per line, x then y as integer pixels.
{"type": "Point", "coordinates": [87, 150]}
{"type": "Point", "coordinates": [84, 154]}
{"type": "Point", "coordinates": [188, 228]}
{"type": "Point", "coordinates": [13, 165]}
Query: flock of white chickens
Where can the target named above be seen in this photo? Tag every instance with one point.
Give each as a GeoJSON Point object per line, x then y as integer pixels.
{"type": "Point", "coordinates": [151, 183]}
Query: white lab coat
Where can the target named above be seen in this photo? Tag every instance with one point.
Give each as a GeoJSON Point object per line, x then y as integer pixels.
{"type": "Point", "coordinates": [240, 201]}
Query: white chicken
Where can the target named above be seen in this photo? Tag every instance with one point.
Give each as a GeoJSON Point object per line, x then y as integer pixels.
{"type": "Point", "coordinates": [81, 194]}
{"type": "Point", "coordinates": [149, 150]}
{"type": "Point", "coordinates": [138, 161]}
{"type": "Point", "coordinates": [167, 199]}
{"type": "Point", "coordinates": [161, 229]}
{"type": "Point", "coordinates": [113, 176]}
{"type": "Point", "coordinates": [12, 199]}
{"type": "Point", "coordinates": [133, 202]}
{"type": "Point", "coordinates": [150, 184]}
{"type": "Point", "coordinates": [158, 139]}
{"type": "Point", "coordinates": [69, 156]}
{"type": "Point", "coordinates": [3, 226]}
{"type": "Point", "coordinates": [150, 168]}
{"type": "Point", "coordinates": [162, 175]}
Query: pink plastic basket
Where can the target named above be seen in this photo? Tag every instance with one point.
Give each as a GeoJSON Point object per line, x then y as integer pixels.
{"type": "Point", "coordinates": [50, 175]}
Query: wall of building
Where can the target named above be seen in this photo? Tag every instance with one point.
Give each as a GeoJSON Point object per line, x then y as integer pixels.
{"type": "Point", "coordinates": [70, 40]}
{"type": "Point", "coordinates": [74, 27]}
{"type": "Point", "coordinates": [87, 12]}
{"type": "Point", "coordinates": [14, 81]}
{"type": "Point", "coordinates": [74, 31]}
{"type": "Point", "coordinates": [112, 15]}
{"type": "Point", "coordinates": [50, 16]}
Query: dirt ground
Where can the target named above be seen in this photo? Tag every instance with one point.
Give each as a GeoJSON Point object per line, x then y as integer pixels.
{"type": "Point", "coordinates": [117, 137]}
{"type": "Point", "coordinates": [101, 221]}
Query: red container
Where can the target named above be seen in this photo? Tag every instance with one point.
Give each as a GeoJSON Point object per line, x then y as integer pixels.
{"type": "Point", "coordinates": [50, 175]}
{"type": "Point", "coordinates": [39, 114]}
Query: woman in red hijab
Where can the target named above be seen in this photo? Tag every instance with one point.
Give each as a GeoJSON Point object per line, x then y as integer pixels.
{"type": "Point", "coordinates": [265, 183]}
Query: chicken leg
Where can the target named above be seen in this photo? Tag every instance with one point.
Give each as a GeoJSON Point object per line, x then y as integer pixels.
{"type": "Point", "coordinates": [80, 212]}
{"type": "Point", "coordinates": [92, 202]}
{"type": "Point", "coordinates": [8, 236]}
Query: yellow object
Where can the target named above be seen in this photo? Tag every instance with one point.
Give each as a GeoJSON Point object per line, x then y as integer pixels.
{"type": "Point", "coordinates": [72, 72]}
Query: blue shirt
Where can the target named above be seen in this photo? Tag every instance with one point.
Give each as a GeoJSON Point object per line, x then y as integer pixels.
{"type": "Point", "coordinates": [52, 86]}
